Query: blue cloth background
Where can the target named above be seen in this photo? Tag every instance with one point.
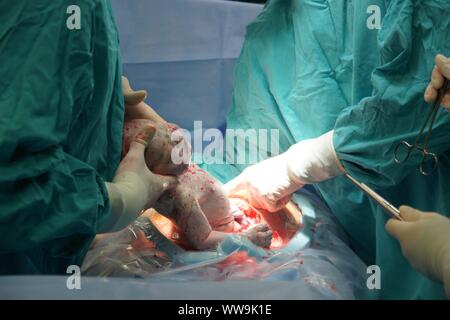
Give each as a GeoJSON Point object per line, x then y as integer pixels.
{"type": "Point", "coordinates": [183, 52]}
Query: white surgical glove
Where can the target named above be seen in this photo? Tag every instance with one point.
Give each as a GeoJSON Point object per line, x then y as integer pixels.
{"type": "Point", "coordinates": [425, 241]}
{"type": "Point", "coordinates": [135, 106]}
{"type": "Point", "coordinates": [134, 187]}
{"type": "Point", "coordinates": [270, 183]}
{"type": "Point", "coordinates": [440, 72]}
{"type": "Point", "coordinates": [130, 96]}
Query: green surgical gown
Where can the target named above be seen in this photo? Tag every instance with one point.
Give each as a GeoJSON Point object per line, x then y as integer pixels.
{"type": "Point", "coordinates": [61, 116]}
{"type": "Point", "coordinates": [310, 66]}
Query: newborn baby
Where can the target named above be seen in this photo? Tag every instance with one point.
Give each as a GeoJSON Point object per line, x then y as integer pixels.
{"type": "Point", "coordinates": [198, 206]}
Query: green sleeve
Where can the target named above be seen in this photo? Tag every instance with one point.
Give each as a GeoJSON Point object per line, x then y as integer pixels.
{"type": "Point", "coordinates": [365, 136]}
{"type": "Point", "coordinates": [56, 127]}
{"type": "Point", "coordinates": [55, 199]}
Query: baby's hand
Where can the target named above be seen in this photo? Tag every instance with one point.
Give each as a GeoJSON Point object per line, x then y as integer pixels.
{"type": "Point", "coordinates": [260, 235]}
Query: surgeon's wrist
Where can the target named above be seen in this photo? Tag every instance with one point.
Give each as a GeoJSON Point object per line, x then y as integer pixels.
{"type": "Point", "coordinates": [293, 176]}
{"type": "Point", "coordinates": [313, 160]}
{"type": "Point", "coordinates": [127, 195]}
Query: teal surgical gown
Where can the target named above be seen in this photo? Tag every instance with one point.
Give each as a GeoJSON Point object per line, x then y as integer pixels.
{"type": "Point", "coordinates": [310, 66]}
{"type": "Point", "coordinates": [61, 115]}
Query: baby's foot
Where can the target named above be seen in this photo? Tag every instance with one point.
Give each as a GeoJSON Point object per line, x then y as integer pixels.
{"type": "Point", "coordinates": [260, 235]}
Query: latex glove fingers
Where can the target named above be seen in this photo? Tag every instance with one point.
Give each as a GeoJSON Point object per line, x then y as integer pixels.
{"type": "Point", "coordinates": [135, 187]}
{"type": "Point", "coordinates": [425, 240]}
{"type": "Point", "coordinates": [440, 72]}
{"type": "Point", "coordinates": [267, 184]}
{"type": "Point", "coordinates": [270, 183]}
{"type": "Point", "coordinates": [132, 97]}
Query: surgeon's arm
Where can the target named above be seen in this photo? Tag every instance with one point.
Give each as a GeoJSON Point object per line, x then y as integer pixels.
{"type": "Point", "coordinates": [56, 126]}
{"type": "Point", "coordinates": [425, 236]}
{"type": "Point", "coordinates": [366, 134]}
{"type": "Point", "coordinates": [270, 183]}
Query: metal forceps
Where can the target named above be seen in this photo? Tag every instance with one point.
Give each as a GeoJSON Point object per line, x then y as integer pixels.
{"type": "Point", "coordinates": [403, 149]}
{"type": "Point", "coordinates": [391, 210]}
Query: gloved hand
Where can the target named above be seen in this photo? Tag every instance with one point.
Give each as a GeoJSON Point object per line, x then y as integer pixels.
{"type": "Point", "coordinates": [135, 107]}
{"type": "Point", "coordinates": [134, 187]}
{"type": "Point", "coordinates": [270, 183]}
{"type": "Point", "coordinates": [130, 96]}
{"type": "Point", "coordinates": [441, 71]}
{"type": "Point", "coordinates": [425, 241]}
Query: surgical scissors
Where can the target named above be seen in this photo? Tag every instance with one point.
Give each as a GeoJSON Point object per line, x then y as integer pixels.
{"type": "Point", "coordinates": [386, 205]}
{"type": "Point", "coordinates": [406, 148]}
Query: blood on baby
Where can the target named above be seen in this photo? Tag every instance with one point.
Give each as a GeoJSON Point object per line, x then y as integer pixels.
{"type": "Point", "coordinates": [277, 241]}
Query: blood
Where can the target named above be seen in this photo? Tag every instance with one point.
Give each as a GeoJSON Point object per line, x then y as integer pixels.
{"type": "Point", "coordinates": [172, 127]}
{"type": "Point", "coordinates": [249, 212]}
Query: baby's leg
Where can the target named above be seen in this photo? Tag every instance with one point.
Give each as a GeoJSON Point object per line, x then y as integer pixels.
{"type": "Point", "coordinates": [230, 227]}
{"type": "Point", "coordinates": [190, 218]}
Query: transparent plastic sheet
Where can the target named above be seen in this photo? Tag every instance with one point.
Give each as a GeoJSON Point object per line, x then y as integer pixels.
{"type": "Point", "coordinates": [318, 257]}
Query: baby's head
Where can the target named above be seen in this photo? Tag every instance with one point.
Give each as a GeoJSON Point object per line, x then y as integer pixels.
{"type": "Point", "coordinates": [168, 152]}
